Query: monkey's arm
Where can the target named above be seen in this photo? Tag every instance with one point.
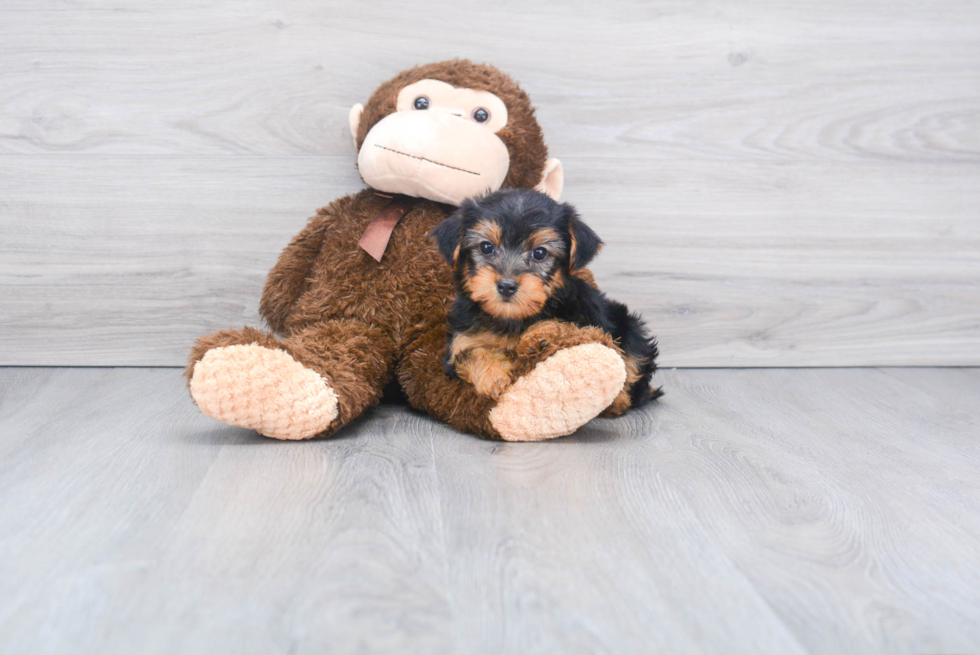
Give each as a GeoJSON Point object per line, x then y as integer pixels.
{"type": "Point", "coordinates": [565, 376]}
{"type": "Point", "coordinates": [288, 278]}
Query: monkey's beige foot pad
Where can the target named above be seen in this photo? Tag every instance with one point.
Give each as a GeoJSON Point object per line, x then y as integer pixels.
{"type": "Point", "coordinates": [560, 394]}
{"type": "Point", "coordinates": [263, 389]}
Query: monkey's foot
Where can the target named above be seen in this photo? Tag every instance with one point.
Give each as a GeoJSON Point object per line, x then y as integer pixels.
{"type": "Point", "coordinates": [560, 394]}
{"type": "Point", "coordinates": [263, 389]}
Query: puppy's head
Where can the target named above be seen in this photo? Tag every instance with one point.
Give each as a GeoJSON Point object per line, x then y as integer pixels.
{"type": "Point", "coordinates": [513, 249]}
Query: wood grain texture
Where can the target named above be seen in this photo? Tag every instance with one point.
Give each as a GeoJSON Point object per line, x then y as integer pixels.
{"type": "Point", "coordinates": [759, 80]}
{"type": "Point", "coordinates": [779, 185]}
{"type": "Point", "coordinates": [750, 511]}
{"type": "Point", "coordinates": [193, 238]}
{"type": "Point", "coordinates": [131, 522]}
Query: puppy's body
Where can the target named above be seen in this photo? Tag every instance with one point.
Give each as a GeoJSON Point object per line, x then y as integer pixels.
{"type": "Point", "coordinates": [519, 261]}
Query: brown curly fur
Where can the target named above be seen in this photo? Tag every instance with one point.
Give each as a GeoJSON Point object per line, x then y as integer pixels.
{"type": "Point", "coordinates": [361, 323]}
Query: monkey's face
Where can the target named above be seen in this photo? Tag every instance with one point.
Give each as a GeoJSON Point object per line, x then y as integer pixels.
{"type": "Point", "coordinates": [440, 143]}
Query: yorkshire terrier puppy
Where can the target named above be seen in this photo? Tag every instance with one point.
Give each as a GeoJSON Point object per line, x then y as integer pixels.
{"type": "Point", "coordinates": [519, 262]}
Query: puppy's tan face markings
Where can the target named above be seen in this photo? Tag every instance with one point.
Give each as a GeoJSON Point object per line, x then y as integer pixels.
{"type": "Point", "coordinates": [485, 230]}
{"type": "Point", "coordinates": [529, 299]}
{"type": "Point", "coordinates": [531, 262]}
{"type": "Point", "coordinates": [556, 282]}
{"type": "Point", "coordinates": [546, 238]}
{"type": "Point", "coordinates": [572, 251]}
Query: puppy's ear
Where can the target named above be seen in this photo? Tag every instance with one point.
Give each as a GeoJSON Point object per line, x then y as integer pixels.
{"type": "Point", "coordinates": [448, 235]}
{"type": "Point", "coordinates": [585, 244]}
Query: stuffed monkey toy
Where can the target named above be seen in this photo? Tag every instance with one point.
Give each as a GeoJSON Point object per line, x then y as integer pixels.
{"type": "Point", "coordinates": [360, 296]}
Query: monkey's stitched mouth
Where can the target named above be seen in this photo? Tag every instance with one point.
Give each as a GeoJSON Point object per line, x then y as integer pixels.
{"type": "Point", "coordinates": [399, 152]}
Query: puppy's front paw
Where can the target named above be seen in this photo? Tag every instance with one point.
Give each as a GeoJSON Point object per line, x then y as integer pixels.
{"type": "Point", "coordinates": [492, 382]}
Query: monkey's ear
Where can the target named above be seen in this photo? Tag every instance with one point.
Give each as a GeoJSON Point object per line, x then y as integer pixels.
{"type": "Point", "coordinates": [448, 235]}
{"type": "Point", "coordinates": [354, 118]}
{"type": "Point", "coordinates": [585, 243]}
{"type": "Point", "coordinates": [553, 180]}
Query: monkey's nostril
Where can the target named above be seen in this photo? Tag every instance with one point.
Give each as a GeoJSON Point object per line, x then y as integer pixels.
{"type": "Point", "coordinates": [507, 288]}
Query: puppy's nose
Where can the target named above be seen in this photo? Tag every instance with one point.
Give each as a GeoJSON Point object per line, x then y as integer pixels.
{"type": "Point", "coordinates": [506, 288]}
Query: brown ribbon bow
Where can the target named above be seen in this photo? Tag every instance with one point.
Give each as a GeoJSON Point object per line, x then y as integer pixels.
{"type": "Point", "coordinates": [378, 232]}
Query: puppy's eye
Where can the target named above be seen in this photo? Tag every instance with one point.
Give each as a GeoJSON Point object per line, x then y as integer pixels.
{"type": "Point", "coordinates": [486, 248]}
{"type": "Point", "coordinates": [539, 253]}
{"type": "Point", "coordinates": [421, 103]}
{"type": "Point", "coordinates": [481, 115]}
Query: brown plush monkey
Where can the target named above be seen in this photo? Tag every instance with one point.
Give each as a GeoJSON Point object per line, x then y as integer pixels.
{"type": "Point", "coordinates": [348, 323]}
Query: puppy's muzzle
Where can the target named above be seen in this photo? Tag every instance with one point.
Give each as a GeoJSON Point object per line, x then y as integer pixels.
{"type": "Point", "coordinates": [507, 288]}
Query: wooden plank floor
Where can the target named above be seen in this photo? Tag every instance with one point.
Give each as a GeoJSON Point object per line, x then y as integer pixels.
{"type": "Point", "coordinates": [751, 511]}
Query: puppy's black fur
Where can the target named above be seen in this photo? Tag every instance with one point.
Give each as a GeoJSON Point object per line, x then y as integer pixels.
{"type": "Point", "coordinates": [494, 243]}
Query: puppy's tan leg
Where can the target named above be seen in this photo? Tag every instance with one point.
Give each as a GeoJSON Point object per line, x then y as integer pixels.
{"type": "Point", "coordinates": [622, 402]}
{"type": "Point", "coordinates": [485, 360]}
{"type": "Point", "coordinates": [487, 370]}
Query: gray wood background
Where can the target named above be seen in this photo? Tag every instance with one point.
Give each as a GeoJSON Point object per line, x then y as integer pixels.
{"type": "Point", "coordinates": [779, 183]}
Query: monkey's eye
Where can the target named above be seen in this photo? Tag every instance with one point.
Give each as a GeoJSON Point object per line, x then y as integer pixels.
{"type": "Point", "coordinates": [486, 248]}
{"type": "Point", "coordinates": [481, 115]}
{"type": "Point", "coordinates": [421, 103]}
{"type": "Point", "coordinates": [539, 253]}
